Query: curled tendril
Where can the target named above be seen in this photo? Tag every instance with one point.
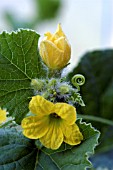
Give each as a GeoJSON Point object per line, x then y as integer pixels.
{"type": "Point", "coordinates": [78, 80]}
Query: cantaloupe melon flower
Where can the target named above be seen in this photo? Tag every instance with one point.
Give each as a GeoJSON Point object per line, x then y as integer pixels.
{"type": "Point", "coordinates": [52, 123]}
{"type": "Point", "coordinates": [55, 49]}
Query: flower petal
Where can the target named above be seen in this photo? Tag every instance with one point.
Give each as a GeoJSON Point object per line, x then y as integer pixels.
{"type": "Point", "coordinates": [63, 45]}
{"type": "Point", "coordinates": [48, 36]}
{"type": "Point", "coordinates": [35, 126]}
{"type": "Point", "coordinates": [72, 134]}
{"type": "Point", "coordinates": [51, 54]}
{"type": "Point", "coordinates": [52, 37]}
{"type": "Point", "coordinates": [66, 112]}
{"type": "Point", "coordinates": [2, 116]}
{"type": "Point", "coordinates": [39, 105]}
{"type": "Point", "coordinates": [53, 138]}
{"type": "Point", "coordinates": [59, 32]}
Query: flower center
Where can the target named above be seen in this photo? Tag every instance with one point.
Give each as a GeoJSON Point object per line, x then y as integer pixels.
{"type": "Point", "coordinates": [54, 115]}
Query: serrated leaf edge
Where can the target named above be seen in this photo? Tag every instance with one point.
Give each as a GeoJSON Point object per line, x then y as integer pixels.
{"type": "Point", "coordinates": [19, 30]}
{"type": "Point", "coordinates": [97, 143]}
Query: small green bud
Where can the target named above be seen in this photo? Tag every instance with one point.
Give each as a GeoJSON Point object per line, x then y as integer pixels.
{"type": "Point", "coordinates": [45, 95]}
{"type": "Point", "coordinates": [54, 93]}
{"type": "Point", "coordinates": [37, 84]}
{"type": "Point", "coordinates": [52, 82]}
{"type": "Point", "coordinates": [64, 89]}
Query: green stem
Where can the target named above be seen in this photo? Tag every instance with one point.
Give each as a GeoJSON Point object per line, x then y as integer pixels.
{"type": "Point", "coordinates": [54, 73]}
{"type": "Point", "coordinates": [36, 163]}
{"type": "Point", "coordinates": [97, 119]}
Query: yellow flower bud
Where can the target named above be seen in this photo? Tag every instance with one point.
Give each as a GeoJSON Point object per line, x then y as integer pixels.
{"type": "Point", "coordinates": [55, 49]}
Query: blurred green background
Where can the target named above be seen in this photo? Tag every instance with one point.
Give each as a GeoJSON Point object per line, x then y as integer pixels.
{"type": "Point", "coordinates": [44, 10]}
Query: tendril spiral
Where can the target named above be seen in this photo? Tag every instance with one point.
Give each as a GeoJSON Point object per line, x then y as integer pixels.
{"type": "Point", "coordinates": [78, 80]}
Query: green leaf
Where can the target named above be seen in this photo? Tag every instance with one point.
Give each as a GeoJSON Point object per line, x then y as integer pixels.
{"type": "Point", "coordinates": [16, 151]}
{"type": "Point", "coordinates": [68, 157]}
{"type": "Point", "coordinates": [19, 63]}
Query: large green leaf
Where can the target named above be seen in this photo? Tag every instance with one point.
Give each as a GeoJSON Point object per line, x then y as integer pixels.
{"type": "Point", "coordinates": [19, 63]}
{"type": "Point", "coordinates": [68, 157]}
{"type": "Point", "coordinates": [16, 151]}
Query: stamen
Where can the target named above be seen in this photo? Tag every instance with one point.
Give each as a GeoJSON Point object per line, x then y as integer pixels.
{"type": "Point", "coordinates": [54, 115]}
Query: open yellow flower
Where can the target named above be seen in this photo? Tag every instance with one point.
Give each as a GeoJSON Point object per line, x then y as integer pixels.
{"type": "Point", "coordinates": [55, 49]}
{"type": "Point", "coordinates": [52, 123]}
{"type": "Point", "coordinates": [2, 116]}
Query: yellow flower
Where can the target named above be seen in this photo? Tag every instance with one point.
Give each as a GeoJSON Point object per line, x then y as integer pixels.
{"type": "Point", "coordinates": [55, 49]}
{"type": "Point", "coordinates": [52, 123]}
{"type": "Point", "coordinates": [2, 116]}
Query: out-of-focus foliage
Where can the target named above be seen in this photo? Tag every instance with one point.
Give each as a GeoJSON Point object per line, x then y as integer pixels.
{"type": "Point", "coordinates": [97, 67]}
{"type": "Point", "coordinates": [45, 10]}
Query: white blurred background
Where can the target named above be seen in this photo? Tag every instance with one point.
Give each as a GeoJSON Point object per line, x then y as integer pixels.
{"type": "Point", "coordinates": [88, 24]}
